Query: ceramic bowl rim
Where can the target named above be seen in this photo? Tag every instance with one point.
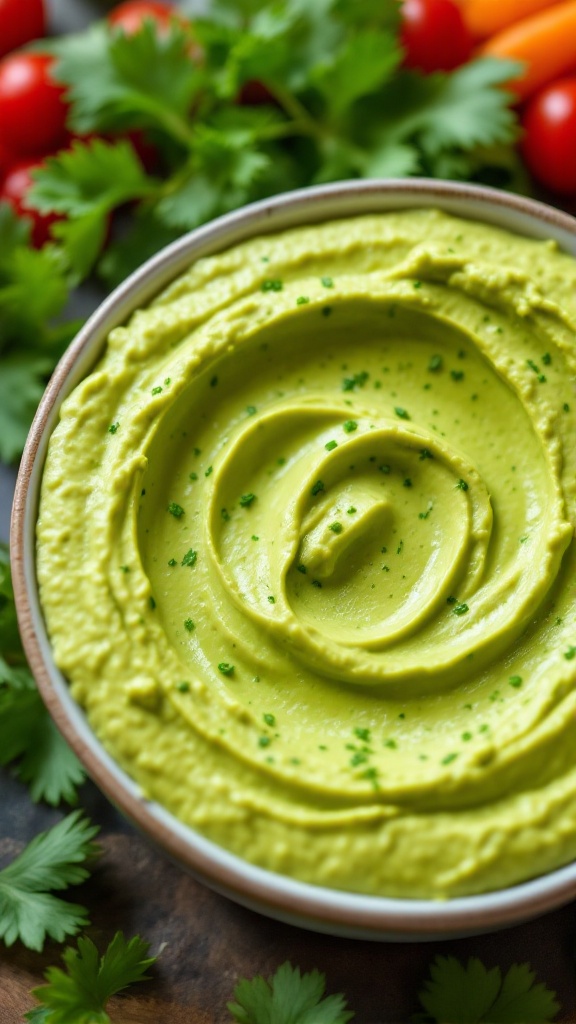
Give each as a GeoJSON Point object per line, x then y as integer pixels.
{"type": "Point", "coordinates": [316, 907]}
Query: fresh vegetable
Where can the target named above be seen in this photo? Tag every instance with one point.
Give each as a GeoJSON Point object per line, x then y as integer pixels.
{"type": "Point", "coordinates": [79, 995]}
{"type": "Point", "coordinates": [472, 993]}
{"type": "Point", "coordinates": [289, 997]}
{"type": "Point", "coordinates": [20, 22]}
{"type": "Point", "coordinates": [130, 15]}
{"type": "Point", "coordinates": [549, 141]}
{"type": "Point", "coordinates": [545, 43]}
{"type": "Point", "coordinates": [29, 740]}
{"type": "Point", "coordinates": [485, 18]}
{"type": "Point", "coordinates": [32, 107]}
{"type": "Point", "coordinates": [15, 188]}
{"type": "Point", "coordinates": [34, 289]}
{"type": "Point", "coordinates": [54, 860]}
{"type": "Point", "coordinates": [434, 35]}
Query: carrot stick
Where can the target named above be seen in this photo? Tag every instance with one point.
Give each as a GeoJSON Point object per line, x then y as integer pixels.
{"type": "Point", "coordinates": [486, 17]}
{"type": "Point", "coordinates": [545, 42]}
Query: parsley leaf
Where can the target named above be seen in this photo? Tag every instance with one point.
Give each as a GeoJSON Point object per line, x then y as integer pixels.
{"type": "Point", "coordinates": [27, 732]}
{"type": "Point", "coordinates": [52, 861]}
{"type": "Point", "coordinates": [289, 997]}
{"type": "Point", "coordinates": [472, 994]}
{"type": "Point", "coordinates": [79, 994]}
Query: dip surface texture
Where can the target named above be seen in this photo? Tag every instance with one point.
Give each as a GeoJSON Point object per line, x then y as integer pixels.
{"type": "Point", "coordinates": [306, 553]}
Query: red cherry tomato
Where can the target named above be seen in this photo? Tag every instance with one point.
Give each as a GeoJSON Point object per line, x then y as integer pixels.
{"type": "Point", "coordinates": [549, 142]}
{"type": "Point", "coordinates": [7, 159]}
{"type": "Point", "coordinates": [434, 35]}
{"type": "Point", "coordinates": [14, 190]}
{"type": "Point", "coordinates": [20, 21]}
{"type": "Point", "coordinates": [130, 15]}
{"type": "Point", "coordinates": [32, 108]}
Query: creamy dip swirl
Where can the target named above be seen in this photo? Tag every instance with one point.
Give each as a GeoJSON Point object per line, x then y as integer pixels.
{"type": "Point", "coordinates": [306, 553]}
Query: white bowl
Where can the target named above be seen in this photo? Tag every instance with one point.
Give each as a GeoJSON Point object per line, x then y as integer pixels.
{"type": "Point", "coordinates": [310, 906]}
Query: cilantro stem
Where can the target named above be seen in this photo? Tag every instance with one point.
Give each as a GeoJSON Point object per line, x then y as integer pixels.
{"type": "Point", "coordinates": [301, 121]}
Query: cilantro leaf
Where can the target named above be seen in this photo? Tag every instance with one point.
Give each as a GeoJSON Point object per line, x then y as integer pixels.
{"type": "Point", "coordinates": [147, 79]}
{"type": "Point", "coordinates": [27, 732]}
{"type": "Point", "coordinates": [472, 994]}
{"type": "Point", "coordinates": [79, 994]}
{"type": "Point", "coordinates": [365, 63]}
{"type": "Point", "coordinates": [22, 382]}
{"type": "Point", "coordinates": [289, 997]}
{"type": "Point", "coordinates": [53, 860]}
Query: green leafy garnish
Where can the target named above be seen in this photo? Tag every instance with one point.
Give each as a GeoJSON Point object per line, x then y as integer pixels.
{"type": "Point", "coordinates": [288, 997]}
{"type": "Point", "coordinates": [79, 994]}
{"type": "Point", "coordinates": [472, 994]}
{"type": "Point", "coordinates": [53, 860]}
{"type": "Point", "coordinates": [28, 737]}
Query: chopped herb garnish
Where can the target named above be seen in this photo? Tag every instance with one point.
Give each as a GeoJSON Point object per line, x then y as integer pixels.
{"type": "Point", "coordinates": [350, 426]}
{"type": "Point", "coordinates": [331, 445]}
{"type": "Point", "coordinates": [183, 686]}
{"type": "Point", "coordinates": [350, 511]}
{"type": "Point", "coordinates": [362, 734]}
{"type": "Point", "coordinates": [327, 282]}
{"type": "Point", "coordinates": [175, 509]}
{"type": "Point", "coordinates": [391, 744]}
{"type": "Point", "coordinates": [193, 476]}
{"type": "Point", "coordinates": [570, 653]}
{"type": "Point", "coordinates": [190, 557]}
{"type": "Point", "coordinates": [450, 600]}
{"type": "Point", "coordinates": [462, 485]}
{"type": "Point", "coordinates": [460, 609]}
{"type": "Point", "coordinates": [126, 568]}
{"type": "Point", "coordinates": [318, 486]}
{"type": "Point", "coordinates": [326, 310]}
{"type": "Point", "coordinates": [156, 391]}
{"type": "Point", "coordinates": [449, 758]}
{"type": "Point", "coordinates": [225, 514]}
{"type": "Point", "coordinates": [208, 471]}
{"type": "Point", "coordinates": [188, 625]}
{"type": "Point", "coordinates": [466, 736]}
{"type": "Point", "coordinates": [407, 482]}
{"type": "Point", "coordinates": [316, 583]}
{"type": "Point", "coordinates": [436, 363]}
{"type": "Point", "coordinates": [515, 681]}
{"type": "Point", "coordinates": [113, 428]}
{"type": "Point", "coordinates": [255, 536]}
{"type": "Point", "coordinates": [264, 741]}
{"type": "Point", "coordinates": [301, 568]}
{"type": "Point", "coordinates": [271, 599]}
{"type": "Point", "coordinates": [269, 719]}
{"type": "Point", "coordinates": [457, 374]}
{"type": "Point", "coordinates": [251, 409]}
{"type": "Point", "coordinates": [247, 499]}
{"type": "Point", "coordinates": [566, 407]}
{"type": "Point", "coordinates": [172, 561]}
{"type": "Point", "coordinates": [546, 359]}
{"type": "Point", "coordinates": [384, 468]}
{"type": "Point", "coordinates": [152, 602]}
{"type": "Point", "coordinates": [225, 668]}
{"type": "Point", "coordinates": [425, 453]}
{"type": "Point", "coordinates": [417, 284]}
{"type": "Point", "coordinates": [402, 413]}
{"type": "Point", "coordinates": [272, 284]}
{"type": "Point", "coordinates": [336, 527]}
{"type": "Point", "coordinates": [167, 381]}
{"type": "Point", "coordinates": [302, 300]}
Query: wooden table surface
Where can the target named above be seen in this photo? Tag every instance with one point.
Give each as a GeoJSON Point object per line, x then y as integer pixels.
{"type": "Point", "coordinates": [205, 942]}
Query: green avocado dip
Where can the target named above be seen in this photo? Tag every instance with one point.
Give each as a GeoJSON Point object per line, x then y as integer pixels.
{"type": "Point", "coordinates": [306, 553]}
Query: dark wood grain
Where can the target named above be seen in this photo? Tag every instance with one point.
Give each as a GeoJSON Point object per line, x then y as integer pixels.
{"type": "Point", "coordinates": [206, 943]}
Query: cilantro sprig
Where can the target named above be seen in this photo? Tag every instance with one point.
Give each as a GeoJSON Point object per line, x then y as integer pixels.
{"type": "Point", "coordinates": [473, 994]}
{"type": "Point", "coordinates": [29, 740]}
{"type": "Point", "coordinates": [340, 105]}
{"type": "Point", "coordinates": [288, 997]}
{"type": "Point", "coordinates": [52, 861]}
{"type": "Point", "coordinates": [80, 994]}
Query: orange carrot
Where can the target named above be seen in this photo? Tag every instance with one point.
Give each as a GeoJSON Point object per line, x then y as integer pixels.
{"type": "Point", "coordinates": [545, 42]}
{"type": "Point", "coordinates": [484, 18]}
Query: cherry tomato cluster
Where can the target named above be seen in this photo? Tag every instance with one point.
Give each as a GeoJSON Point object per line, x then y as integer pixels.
{"type": "Point", "coordinates": [33, 106]}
